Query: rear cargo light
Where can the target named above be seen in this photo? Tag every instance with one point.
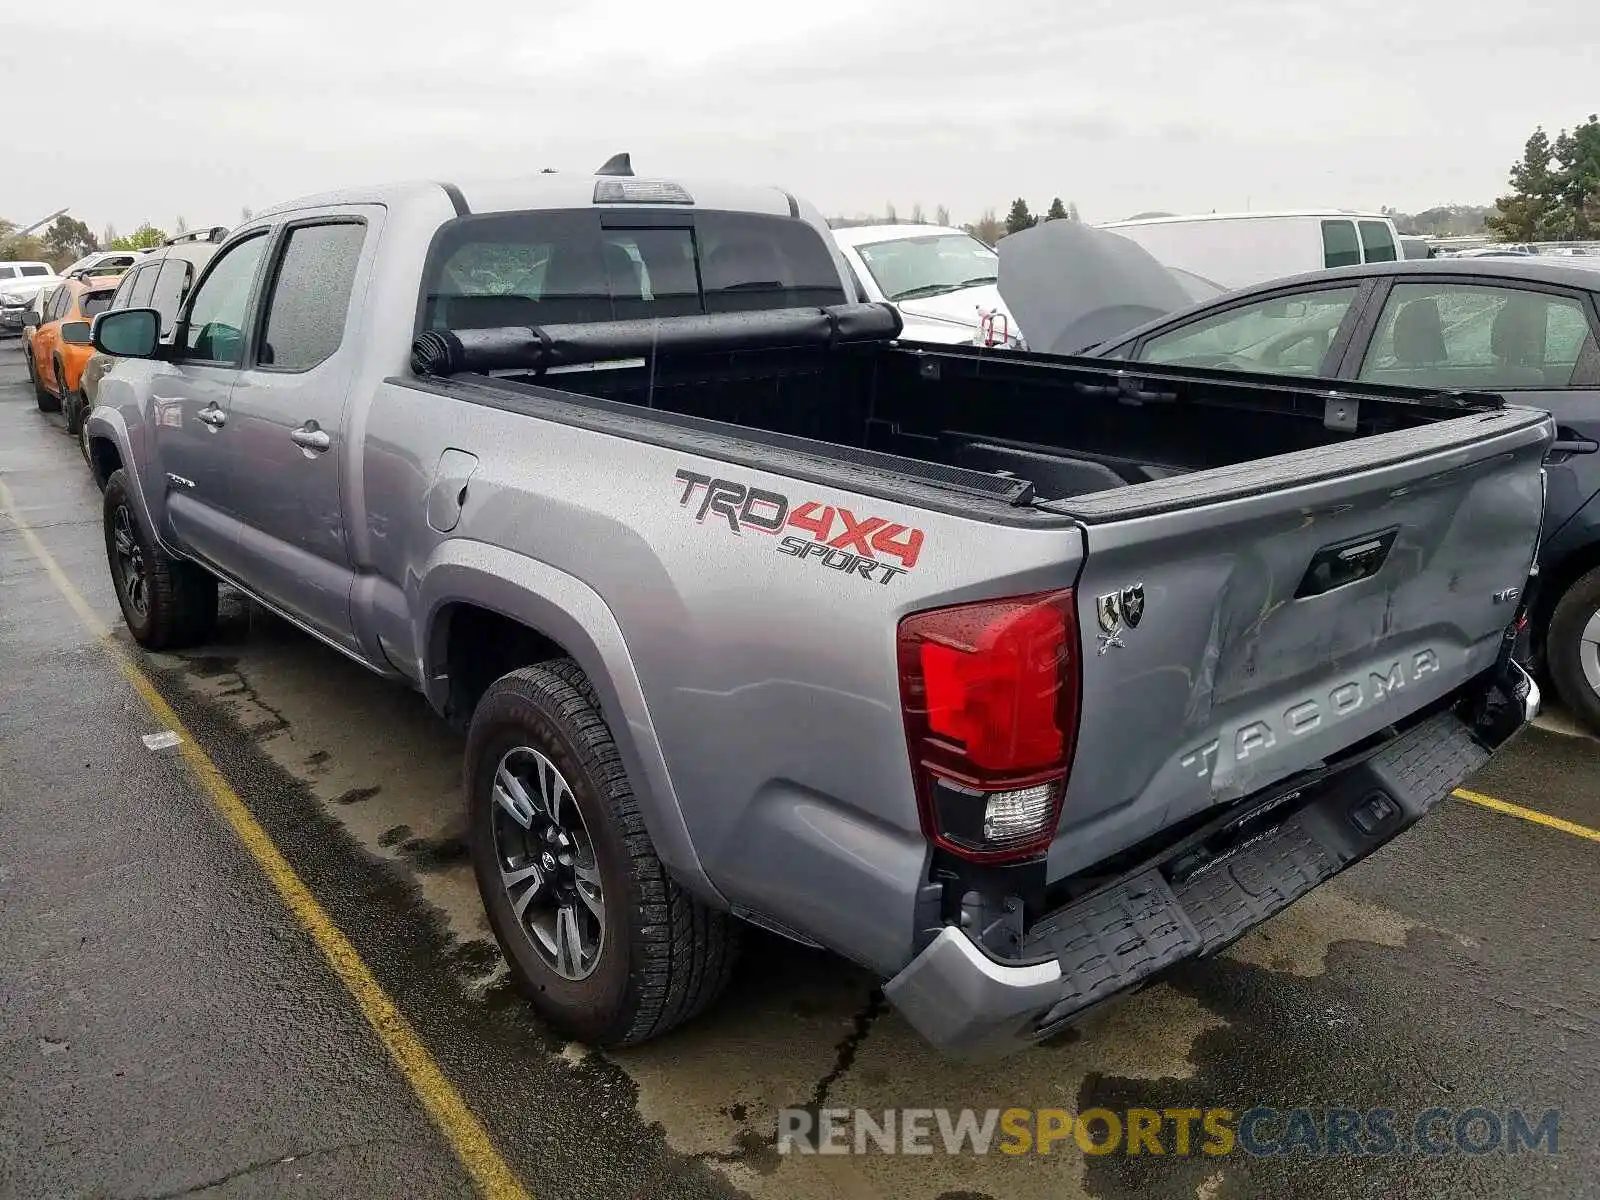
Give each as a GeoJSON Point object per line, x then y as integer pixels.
{"type": "Point", "coordinates": [990, 692]}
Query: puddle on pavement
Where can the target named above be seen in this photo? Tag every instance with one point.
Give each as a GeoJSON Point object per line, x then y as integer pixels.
{"type": "Point", "coordinates": [375, 755]}
{"type": "Point", "coordinates": [797, 1028]}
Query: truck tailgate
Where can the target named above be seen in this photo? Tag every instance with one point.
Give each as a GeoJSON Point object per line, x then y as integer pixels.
{"type": "Point", "coordinates": [1240, 626]}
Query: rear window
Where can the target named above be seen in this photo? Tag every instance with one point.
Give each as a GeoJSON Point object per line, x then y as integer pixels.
{"type": "Point", "coordinates": [1339, 245]}
{"type": "Point", "coordinates": [1376, 242]}
{"type": "Point", "coordinates": [95, 303]}
{"type": "Point", "coordinates": [555, 267]}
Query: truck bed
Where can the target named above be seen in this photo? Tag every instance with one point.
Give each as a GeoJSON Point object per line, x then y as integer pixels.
{"type": "Point", "coordinates": [1091, 439]}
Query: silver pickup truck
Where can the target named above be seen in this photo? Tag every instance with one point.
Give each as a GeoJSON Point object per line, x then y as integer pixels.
{"type": "Point", "coordinates": [1015, 679]}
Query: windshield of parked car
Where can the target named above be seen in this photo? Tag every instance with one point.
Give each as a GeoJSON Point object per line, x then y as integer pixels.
{"type": "Point", "coordinates": [560, 266]}
{"type": "Point", "coordinates": [912, 267]}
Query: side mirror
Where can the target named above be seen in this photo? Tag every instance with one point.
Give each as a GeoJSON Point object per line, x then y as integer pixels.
{"type": "Point", "coordinates": [75, 333]}
{"type": "Point", "coordinates": [30, 319]}
{"type": "Point", "coordinates": [127, 333]}
{"type": "Point", "coordinates": [1284, 310]}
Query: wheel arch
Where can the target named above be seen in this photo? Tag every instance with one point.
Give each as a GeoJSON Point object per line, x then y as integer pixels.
{"type": "Point", "coordinates": [486, 610]}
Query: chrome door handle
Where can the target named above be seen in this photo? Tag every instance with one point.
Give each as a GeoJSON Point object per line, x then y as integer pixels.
{"type": "Point", "coordinates": [213, 417]}
{"type": "Point", "coordinates": [310, 437]}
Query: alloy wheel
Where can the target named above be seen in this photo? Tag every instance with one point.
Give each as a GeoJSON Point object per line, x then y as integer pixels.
{"type": "Point", "coordinates": [131, 568]}
{"type": "Point", "coordinates": [547, 863]}
{"type": "Point", "coordinates": [1589, 651]}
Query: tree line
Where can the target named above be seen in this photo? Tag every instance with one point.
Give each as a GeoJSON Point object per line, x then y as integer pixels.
{"type": "Point", "coordinates": [987, 228]}
{"type": "Point", "coordinates": [66, 239]}
{"type": "Point", "coordinates": [1555, 188]}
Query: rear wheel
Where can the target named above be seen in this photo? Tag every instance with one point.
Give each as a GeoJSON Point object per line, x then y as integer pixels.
{"type": "Point", "coordinates": [167, 603]}
{"type": "Point", "coordinates": [42, 396]}
{"type": "Point", "coordinates": [1572, 649]}
{"type": "Point", "coordinates": [603, 943]}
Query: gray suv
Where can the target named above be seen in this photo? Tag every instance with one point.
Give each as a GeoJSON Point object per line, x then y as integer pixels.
{"type": "Point", "coordinates": [159, 279]}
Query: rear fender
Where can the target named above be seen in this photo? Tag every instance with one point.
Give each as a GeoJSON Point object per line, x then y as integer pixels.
{"type": "Point", "coordinates": [569, 612]}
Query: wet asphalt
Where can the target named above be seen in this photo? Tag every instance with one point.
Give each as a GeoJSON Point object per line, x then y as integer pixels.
{"type": "Point", "coordinates": [168, 1029]}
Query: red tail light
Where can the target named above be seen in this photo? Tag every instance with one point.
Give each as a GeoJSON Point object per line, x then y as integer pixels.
{"type": "Point", "coordinates": [991, 693]}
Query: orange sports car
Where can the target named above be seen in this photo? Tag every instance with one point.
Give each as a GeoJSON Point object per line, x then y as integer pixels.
{"type": "Point", "coordinates": [57, 347]}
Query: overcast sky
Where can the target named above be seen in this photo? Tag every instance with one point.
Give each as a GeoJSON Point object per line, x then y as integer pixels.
{"type": "Point", "coordinates": [1120, 106]}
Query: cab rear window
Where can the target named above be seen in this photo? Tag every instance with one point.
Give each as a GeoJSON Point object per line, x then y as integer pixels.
{"type": "Point", "coordinates": [559, 266]}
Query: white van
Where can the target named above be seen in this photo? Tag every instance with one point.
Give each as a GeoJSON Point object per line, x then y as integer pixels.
{"type": "Point", "coordinates": [1240, 249]}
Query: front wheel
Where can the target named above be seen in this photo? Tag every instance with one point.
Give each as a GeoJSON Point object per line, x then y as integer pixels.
{"type": "Point", "coordinates": [599, 938]}
{"type": "Point", "coordinates": [167, 603]}
{"type": "Point", "coordinates": [1572, 649]}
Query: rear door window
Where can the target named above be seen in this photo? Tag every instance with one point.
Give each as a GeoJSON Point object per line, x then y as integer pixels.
{"type": "Point", "coordinates": [1339, 245]}
{"type": "Point", "coordinates": [1376, 242]}
{"type": "Point", "coordinates": [1444, 334]}
{"type": "Point", "coordinates": [310, 296]}
{"type": "Point", "coordinates": [560, 266]}
{"type": "Point", "coordinates": [35, 271]}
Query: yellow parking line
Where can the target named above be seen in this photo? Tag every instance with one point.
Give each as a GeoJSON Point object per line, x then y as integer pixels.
{"type": "Point", "coordinates": [1529, 814]}
{"type": "Point", "coordinates": [467, 1137]}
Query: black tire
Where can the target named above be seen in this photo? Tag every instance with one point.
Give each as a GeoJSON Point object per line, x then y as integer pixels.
{"type": "Point", "coordinates": [1564, 648]}
{"type": "Point", "coordinates": [43, 397]}
{"type": "Point", "coordinates": [179, 605]}
{"type": "Point", "coordinates": [74, 407]}
{"type": "Point", "coordinates": [663, 957]}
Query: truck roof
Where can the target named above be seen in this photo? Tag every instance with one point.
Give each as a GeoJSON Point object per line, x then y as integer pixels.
{"type": "Point", "coordinates": [551, 190]}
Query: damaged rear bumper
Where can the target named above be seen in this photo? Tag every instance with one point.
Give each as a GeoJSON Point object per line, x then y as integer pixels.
{"type": "Point", "coordinates": [972, 1004]}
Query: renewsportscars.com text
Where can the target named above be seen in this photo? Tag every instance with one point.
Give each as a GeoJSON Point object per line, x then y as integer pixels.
{"type": "Point", "coordinates": [1180, 1132]}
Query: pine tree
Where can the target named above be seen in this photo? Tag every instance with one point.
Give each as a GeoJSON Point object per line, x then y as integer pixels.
{"type": "Point", "coordinates": [1019, 218]}
{"type": "Point", "coordinates": [1058, 211]}
{"type": "Point", "coordinates": [1531, 208]}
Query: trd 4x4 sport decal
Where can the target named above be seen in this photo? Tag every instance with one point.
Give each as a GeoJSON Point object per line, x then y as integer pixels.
{"type": "Point", "coordinates": [838, 539]}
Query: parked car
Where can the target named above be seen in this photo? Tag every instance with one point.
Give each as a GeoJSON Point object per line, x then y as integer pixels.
{"type": "Point", "coordinates": [941, 279]}
{"type": "Point", "coordinates": [1244, 249]}
{"type": "Point", "coordinates": [13, 270]}
{"type": "Point", "coordinates": [976, 669]}
{"type": "Point", "coordinates": [32, 317]}
{"type": "Point", "coordinates": [1412, 246]}
{"type": "Point", "coordinates": [1524, 326]}
{"type": "Point", "coordinates": [103, 264]}
{"type": "Point", "coordinates": [60, 346]}
{"type": "Point", "coordinates": [160, 280]}
{"type": "Point", "coordinates": [20, 283]}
